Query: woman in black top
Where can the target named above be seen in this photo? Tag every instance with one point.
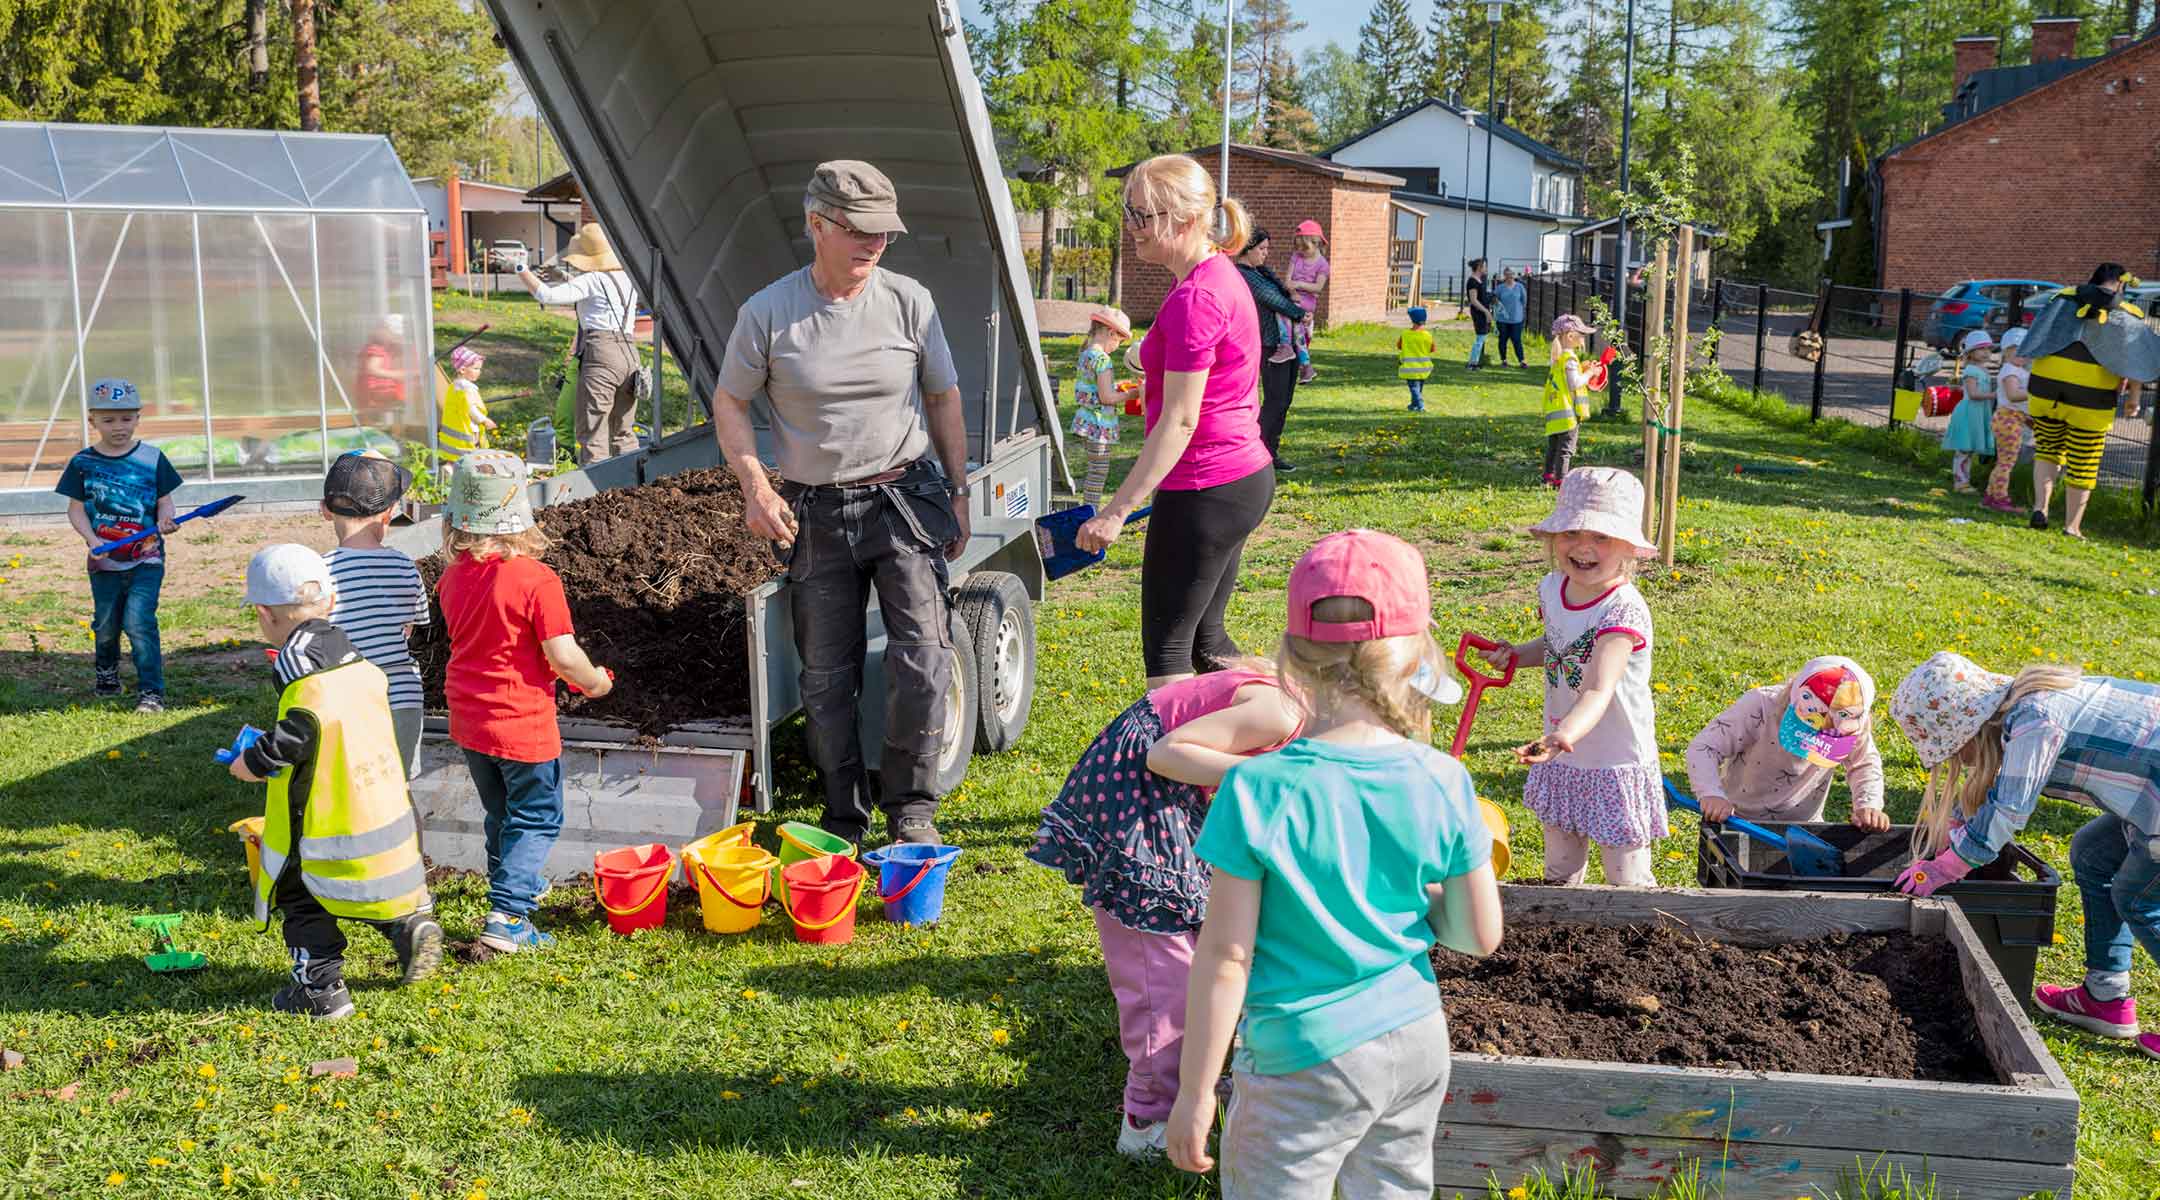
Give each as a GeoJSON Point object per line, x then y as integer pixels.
{"type": "Point", "coordinates": [1278, 380]}
{"type": "Point", "coordinates": [1477, 297]}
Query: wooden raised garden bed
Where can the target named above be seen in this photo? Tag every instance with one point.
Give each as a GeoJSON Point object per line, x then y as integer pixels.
{"type": "Point", "coordinates": [1763, 1133]}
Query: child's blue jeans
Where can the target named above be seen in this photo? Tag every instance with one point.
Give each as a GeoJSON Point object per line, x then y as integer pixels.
{"type": "Point", "coordinates": [2118, 871]}
{"type": "Point", "coordinates": [1417, 393]}
{"type": "Point", "coordinates": [126, 602]}
{"type": "Point", "coordinates": [524, 808]}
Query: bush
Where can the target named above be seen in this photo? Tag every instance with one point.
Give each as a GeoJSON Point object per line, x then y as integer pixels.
{"type": "Point", "coordinates": [1091, 264]}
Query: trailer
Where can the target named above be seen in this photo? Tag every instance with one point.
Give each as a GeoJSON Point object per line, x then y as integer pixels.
{"type": "Point", "coordinates": [693, 126]}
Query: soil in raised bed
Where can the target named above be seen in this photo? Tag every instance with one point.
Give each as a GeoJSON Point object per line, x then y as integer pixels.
{"type": "Point", "coordinates": [1888, 1005]}
{"type": "Point", "coordinates": [655, 577]}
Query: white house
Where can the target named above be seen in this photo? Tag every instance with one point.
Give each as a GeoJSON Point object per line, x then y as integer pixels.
{"type": "Point", "coordinates": [1439, 148]}
{"type": "Point", "coordinates": [490, 212]}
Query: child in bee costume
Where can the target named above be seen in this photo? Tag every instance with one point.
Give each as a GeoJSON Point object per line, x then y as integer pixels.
{"type": "Point", "coordinates": [2082, 346]}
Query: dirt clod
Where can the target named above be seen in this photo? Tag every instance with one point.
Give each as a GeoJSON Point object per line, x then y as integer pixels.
{"type": "Point", "coordinates": [10, 1059]}
{"type": "Point", "coordinates": [1887, 1005]}
{"type": "Point", "coordinates": [655, 577]}
{"type": "Point", "coordinates": [336, 1068]}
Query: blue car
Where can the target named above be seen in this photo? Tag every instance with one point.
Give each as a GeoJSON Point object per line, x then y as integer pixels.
{"type": "Point", "coordinates": [1967, 307]}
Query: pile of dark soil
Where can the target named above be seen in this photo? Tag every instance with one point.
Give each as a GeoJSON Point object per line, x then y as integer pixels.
{"type": "Point", "coordinates": [1887, 1005]}
{"type": "Point", "coordinates": [655, 577]}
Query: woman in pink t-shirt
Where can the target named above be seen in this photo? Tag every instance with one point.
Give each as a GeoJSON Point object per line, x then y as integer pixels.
{"type": "Point", "coordinates": [1211, 474]}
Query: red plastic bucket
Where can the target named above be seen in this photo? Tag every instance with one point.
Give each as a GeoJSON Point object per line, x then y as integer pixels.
{"type": "Point", "coordinates": [821, 895]}
{"type": "Point", "coordinates": [631, 885]}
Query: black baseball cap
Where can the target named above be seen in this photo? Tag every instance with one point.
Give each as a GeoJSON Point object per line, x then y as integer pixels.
{"type": "Point", "coordinates": [363, 483]}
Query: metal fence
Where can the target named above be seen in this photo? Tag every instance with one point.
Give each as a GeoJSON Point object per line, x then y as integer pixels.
{"type": "Point", "coordinates": [1871, 338]}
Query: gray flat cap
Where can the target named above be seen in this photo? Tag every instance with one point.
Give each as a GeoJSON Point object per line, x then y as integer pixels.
{"type": "Point", "coordinates": [859, 192]}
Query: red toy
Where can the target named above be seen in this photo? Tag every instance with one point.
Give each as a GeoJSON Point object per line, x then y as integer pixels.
{"type": "Point", "coordinates": [1601, 374]}
{"type": "Point", "coordinates": [1479, 681]}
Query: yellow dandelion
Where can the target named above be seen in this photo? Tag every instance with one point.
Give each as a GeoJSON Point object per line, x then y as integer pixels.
{"type": "Point", "coordinates": [279, 1107]}
{"type": "Point", "coordinates": [431, 1049]}
{"type": "Point", "coordinates": [749, 993]}
{"type": "Point", "coordinates": [112, 754]}
{"type": "Point", "coordinates": [2058, 939]}
{"type": "Point", "coordinates": [900, 1027]}
{"type": "Point", "coordinates": [225, 1177]}
{"type": "Point", "coordinates": [726, 1095]}
{"type": "Point", "coordinates": [157, 1161]}
{"type": "Point", "coordinates": [999, 1037]}
{"type": "Point", "coordinates": [911, 1114]}
{"type": "Point", "coordinates": [186, 1145]}
{"type": "Point", "coordinates": [380, 1043]}
{"type": "Point", "coordinates": [116, 1179]}
{"type": "Point", "coordinates": [201, 1103]}
{"type": "Point", "coordinates": [1518, 1192]}
{"type": "Point", "coordinates": [207, 1071]}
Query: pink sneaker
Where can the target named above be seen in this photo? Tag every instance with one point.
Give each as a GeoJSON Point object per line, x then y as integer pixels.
{"type": "Point", "coordinates": [2149, 1044]}
{"type": "Point", "coordinates": [2108, 1018]}
{"type": "Point", "coordinates": [2001, 506]}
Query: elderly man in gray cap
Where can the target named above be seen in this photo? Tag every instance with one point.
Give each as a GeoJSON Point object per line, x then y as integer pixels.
{"type": "Point", "coordinates": [855, 371]}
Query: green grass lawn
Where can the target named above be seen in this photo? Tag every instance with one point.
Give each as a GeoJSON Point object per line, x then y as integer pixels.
{"type": "Point", "coordinates": [975, 1059]}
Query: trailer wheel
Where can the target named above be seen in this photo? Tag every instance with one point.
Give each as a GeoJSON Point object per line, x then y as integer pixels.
{"type": "Point", "coordinates": [960, 711]}
{"type": "Point", "coordinates": [1001, 628]}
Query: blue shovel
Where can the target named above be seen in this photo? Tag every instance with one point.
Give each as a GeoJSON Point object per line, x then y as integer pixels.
{"type": "Point", "coordinates": [1055, 536]}
{"type": "Point", "coordinates": [208, 510]}
{"type": "Point", "coordinates": [1808, 854]}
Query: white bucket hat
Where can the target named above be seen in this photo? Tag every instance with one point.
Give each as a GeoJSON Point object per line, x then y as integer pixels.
{"type": "Point", "coordinates": [1943, 702]}
{"type": "Point", "coordinates": [1603, 500]}
{"type": "Point", "coordinates": [487, 494]}
{"type": "Point", "coordinates": [1978, 339]}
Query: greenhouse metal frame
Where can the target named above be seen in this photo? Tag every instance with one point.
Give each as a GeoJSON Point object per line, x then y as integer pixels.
{"type": "Point", "coordinates": [267, 292]}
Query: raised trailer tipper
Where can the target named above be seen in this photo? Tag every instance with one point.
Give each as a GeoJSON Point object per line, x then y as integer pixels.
{"type": "Point", "coordinates": [693, 126]}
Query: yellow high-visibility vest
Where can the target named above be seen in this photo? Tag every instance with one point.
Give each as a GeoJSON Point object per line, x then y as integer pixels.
{"type": "Point", "coordinates": [1413, 354]}
{"type": "Point", "coordinates": [359, 840]}
{"type": "Point", "coordinates": [1560, 403]}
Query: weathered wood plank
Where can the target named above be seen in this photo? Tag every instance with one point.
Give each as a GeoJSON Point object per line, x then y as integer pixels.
{"type": "Point", "coordinates": [2013, 1045]}
{"type": "Point", "coordinates": [1467, 1156]}
{"type": "Point", "coordinates": [1787, 1109]}
{"type": "Point", "coordinates": [1743, 918]}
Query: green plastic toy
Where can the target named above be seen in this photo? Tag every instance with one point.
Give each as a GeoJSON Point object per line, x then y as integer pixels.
{"type": "Point", "coordinates": [164, 957]}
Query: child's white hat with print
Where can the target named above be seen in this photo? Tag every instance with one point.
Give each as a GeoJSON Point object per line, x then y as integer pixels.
{"type": "Point", "coordinates": [1943, 702]}
{"type": "Point", "coordinates": [1978, 339]}
{"type": "Point", "coordinates": [487, 494]}
{"type": "Point", "coordinates": [1603, 500]}
{"type": "Point", "coordinates": [287, 574]}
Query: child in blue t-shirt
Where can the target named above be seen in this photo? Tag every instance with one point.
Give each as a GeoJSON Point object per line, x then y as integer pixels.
{"type": "Point", "coordinates": [116, 486]}
{"type": "Point", "coordinates": [1338, 861]}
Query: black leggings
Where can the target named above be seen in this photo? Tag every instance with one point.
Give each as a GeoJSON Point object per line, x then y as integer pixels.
{"type": "Point", "coordinates": [1189, 568]}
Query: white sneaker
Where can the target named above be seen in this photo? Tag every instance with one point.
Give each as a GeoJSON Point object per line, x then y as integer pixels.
{"type": "Point", "coordinates": [1149, 1140]}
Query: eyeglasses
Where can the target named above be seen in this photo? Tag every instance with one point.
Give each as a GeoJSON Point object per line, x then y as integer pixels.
{"type": "Point", "coordinates": [858, 234]}
{"type": "Point", "coordinates": [1134, 218]}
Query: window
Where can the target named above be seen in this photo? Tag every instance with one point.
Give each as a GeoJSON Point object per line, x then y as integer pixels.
{"type": "Point", "coordinates": [1068, 238]}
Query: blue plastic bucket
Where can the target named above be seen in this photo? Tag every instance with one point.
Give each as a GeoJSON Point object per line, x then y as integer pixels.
{"type": "Point", "coordinates": [911, 880]}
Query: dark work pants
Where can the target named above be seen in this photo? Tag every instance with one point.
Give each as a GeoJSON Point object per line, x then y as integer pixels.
{"type": "Point", "coordinates": [1560, 451]}
{"type": "Point", "coordinates": [1510, 335]}
{"type": "Point", "coordinates": [1189, 567]}
{"type": "Point", "coordinates": [1278, 384]}
{"type": "Point", "coordinates": [849, 540]}
{"type": "Point", "coordinates": [309, 927]}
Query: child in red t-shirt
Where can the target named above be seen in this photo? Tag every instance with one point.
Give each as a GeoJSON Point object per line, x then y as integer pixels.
{"type": "Point", "coordinates": [510, 639]}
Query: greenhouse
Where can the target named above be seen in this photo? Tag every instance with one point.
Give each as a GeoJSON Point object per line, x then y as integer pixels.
{"type": "Point", "coordinates": [266, 292]}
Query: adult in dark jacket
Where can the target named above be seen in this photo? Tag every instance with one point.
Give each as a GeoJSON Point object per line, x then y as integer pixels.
{"type": "Point", "coordinates": [1278, 380]}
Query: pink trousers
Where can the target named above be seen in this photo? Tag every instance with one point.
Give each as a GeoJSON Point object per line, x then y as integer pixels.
{"type": "Point", "coordinates": [1148, 972]}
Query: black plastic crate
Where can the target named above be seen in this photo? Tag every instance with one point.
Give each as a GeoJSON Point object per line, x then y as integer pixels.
{"type": "Point", "coordinates": [2010, 902]}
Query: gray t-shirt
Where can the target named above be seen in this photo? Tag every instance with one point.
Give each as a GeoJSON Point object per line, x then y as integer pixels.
{"type": "Point", "coordinates": [845, 379]}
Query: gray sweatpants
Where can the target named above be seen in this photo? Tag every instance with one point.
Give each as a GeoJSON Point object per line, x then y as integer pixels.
{"type": "Point", "coordinates": [1361, 1122]}
{"type": "Point", "coordinates": [406, 723]}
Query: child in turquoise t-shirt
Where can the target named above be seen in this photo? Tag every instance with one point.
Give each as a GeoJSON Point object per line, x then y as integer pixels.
{"type": "Point", "coordinates": [1338, 861]}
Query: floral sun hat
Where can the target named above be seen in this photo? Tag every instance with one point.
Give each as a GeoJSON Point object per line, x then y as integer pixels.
{"type": "Point", "coordinates": [1603, 500]}
{"type": "Point", "coordinates": [487, 494]}
{"type": "Point", "coordinates": [1943, 702]}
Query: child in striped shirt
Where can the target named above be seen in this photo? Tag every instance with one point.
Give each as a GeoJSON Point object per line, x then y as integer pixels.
{"type": "Point", "coordinates": [379, 594]}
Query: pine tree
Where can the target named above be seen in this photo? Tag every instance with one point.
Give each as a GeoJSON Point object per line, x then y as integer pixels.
{"type": "Point", "coordinates": [1584, 119]}
{"type": "Point", "coordinates": [1270, 71]}
{"type": "Point", "coordinates": [1459, 41]}
{"type": "Point", "coordinates": [1389, 43]}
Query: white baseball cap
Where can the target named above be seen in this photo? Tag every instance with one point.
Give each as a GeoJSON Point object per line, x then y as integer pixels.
{"type": "Point", "coordinates": [281, 574]}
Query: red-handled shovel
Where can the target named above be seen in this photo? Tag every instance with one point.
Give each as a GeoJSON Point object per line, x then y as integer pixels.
{"type": "Point", "coordinates": [1479, 681]}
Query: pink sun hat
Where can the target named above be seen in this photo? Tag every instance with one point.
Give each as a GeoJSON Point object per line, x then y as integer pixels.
{"type": "Point", "coordinates": [1603, 500]}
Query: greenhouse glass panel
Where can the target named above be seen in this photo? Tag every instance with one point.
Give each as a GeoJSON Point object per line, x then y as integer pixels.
{"type": "Point", "coordinates": [267, 293]}
{"type": "Point", "coordinates": [40, 405]}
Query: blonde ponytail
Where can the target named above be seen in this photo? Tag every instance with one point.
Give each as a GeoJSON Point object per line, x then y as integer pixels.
{"type": "Point", "coordinates": [1236, 228]}
{"type": "Point", "coordinates": [1964, 779]}
{"type": "Point", "coordinates": [1177, 187]}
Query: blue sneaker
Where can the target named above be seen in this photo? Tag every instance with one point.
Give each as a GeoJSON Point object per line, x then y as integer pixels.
{"type": "Point", "coordinates": [510, 934]}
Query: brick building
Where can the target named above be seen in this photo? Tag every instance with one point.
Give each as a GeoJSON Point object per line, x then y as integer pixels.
{"type": "Point", "coordinates": [2039, 170]}
{"type": "Point", "coordinates": [1281, 188]}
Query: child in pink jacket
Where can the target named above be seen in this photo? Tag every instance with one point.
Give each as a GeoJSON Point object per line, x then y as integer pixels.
{"type": "Point", "coordinates": [1771, 756]}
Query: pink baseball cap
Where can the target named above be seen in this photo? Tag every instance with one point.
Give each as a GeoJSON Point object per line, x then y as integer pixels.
{"type": "Point", "coordinates": [1378, 568]}
{"type": "Point", "coordinates": [1309, 228]}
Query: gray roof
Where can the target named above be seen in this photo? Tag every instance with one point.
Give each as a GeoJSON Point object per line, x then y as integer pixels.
{"type": "Point", "coordinates": [1478, 205]}
{"type": "Point", "coordinates": [244, 170]}
{"type": "Point", "coordinates": [1500, 129]}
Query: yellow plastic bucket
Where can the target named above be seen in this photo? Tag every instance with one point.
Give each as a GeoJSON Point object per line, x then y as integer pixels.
{"type": "Point", "coordinates": [250, 830]}
{"type": "Point", "coordinates": [801, 843]}
{"type": "Point", "coordinates": [733, 883]}
{"type": "Point", "coordinates": [1496, 823]}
